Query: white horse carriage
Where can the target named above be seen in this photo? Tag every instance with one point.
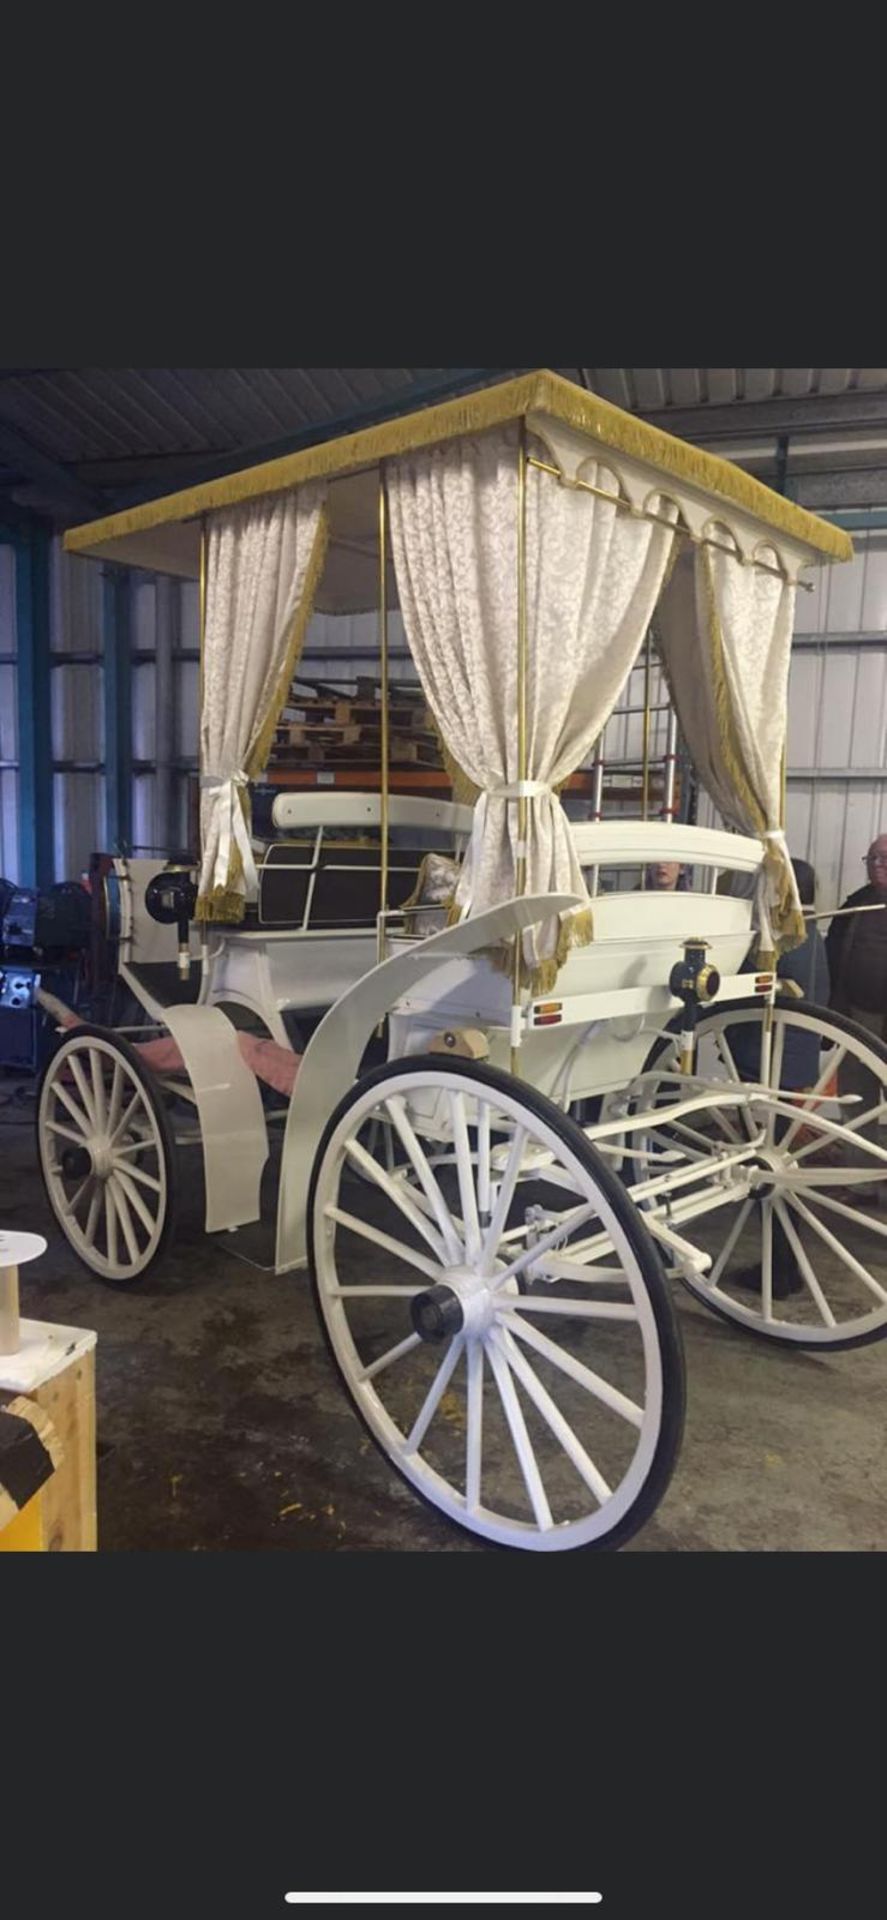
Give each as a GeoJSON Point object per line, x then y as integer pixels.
{"type": "Point", "coordinates": [501, 1139]}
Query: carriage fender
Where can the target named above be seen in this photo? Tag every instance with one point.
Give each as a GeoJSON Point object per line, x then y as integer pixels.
{"type": "Point", "coordinates": [331, 1060]}
{"type": "Point", "coordinates": [233, 1134]}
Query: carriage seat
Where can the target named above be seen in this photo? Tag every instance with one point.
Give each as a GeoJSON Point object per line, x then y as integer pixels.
{"type": "Point", "coordinates": [337, 884]}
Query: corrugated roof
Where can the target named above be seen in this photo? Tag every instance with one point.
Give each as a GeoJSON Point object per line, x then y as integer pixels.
{"type": "Point", "coordinates": [78, 442]}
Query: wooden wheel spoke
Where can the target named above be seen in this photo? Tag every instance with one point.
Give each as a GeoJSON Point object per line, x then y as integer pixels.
{"type": "Point", "coordinates": [504, 1198]}
{"type": "Point", "coordinates": [584, 1377]}
{"type": "Point", "coordinates": [395, 1191]}
{"type": "Point", "coordinates": [517, 1427]}
{"type": "Point", "coordinates": [434, 1271]}
{"type": "Point", "coordinates": [86, 1095]}
{"type": "Point", "coordinates": [66, 1133]}
{"type": "Point", "coordinates": [92, 1218]}
{"type": "Point", "coordinates": [396, 1107]}
{"type": "Point", "coordinates": [77, 1113]}
{"type": "Point", "coordinates": [98, 1088]}
{"type": "Point", "coordinates": [145, 1179]}
{"type": "Point", "coordinates": [829, 1071]}
{"type": "Point", "coordinates": [128, 1188]}
{"type": "Point", "coordinates": [110, 1224]}
{"type": "Point", "coordinates": [831, 1240]}
{"type": "Point", "coordinates": [125, 1218]}
{"type": "Point", "coordinates": [553, 1417]}
{"type": "Point", "coordinates": [435, 1394]}
{"type": "Point", "coordinates": [474, 1415]}
{"type": "Point", "coordinates": [412, 1341]}
{"type": "Point", "coordinates": [467, 1194]}
{"type": "Point", "coordinates": [801, 1256]}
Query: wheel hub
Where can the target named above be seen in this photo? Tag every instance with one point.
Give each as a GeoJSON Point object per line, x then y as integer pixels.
{"type": "Point", "coordinates": [465, 1301]}
{"type": "Point", "coordinates": [102, 1158]}
{"type": "Point", "coordinates": [77, 1163]}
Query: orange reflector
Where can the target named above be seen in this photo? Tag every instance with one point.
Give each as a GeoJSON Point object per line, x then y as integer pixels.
{"type": "Point", "coordinates": [763, 982]}
{"type": "Point", "coordinates": [549, 1006]}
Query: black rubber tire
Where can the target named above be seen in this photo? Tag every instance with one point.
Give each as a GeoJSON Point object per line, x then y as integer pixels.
{"type": "Point", "coordinates": [153, 1094]}
{"type": "Point", "coordinates": [842, 1025]}
{"type": "Point", "coordinates": [667, 1326]}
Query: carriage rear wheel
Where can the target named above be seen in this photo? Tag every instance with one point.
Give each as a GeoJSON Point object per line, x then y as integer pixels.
{"type": "Point", "coordinates": [543, 1420]}
{"type": "Point", "coordinates": [107, 1154]}
{"type": "Point", "coordinates": [800, 1258]}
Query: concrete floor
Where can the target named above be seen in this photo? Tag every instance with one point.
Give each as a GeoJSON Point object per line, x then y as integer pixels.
{"type": "Point", "coordinates": [221, 1422]}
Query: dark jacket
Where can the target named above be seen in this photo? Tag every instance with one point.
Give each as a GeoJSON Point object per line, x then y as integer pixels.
{"type": "Point", "coordinates": [808, 967]}
{"type": "Point", "coordinates": [839, 947]}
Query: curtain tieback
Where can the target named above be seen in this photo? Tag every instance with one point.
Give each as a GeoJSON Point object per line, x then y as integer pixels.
{"type": "Point", "coordinates": [510, 790]}
{"type": "Point", "coordinates": [232, 825]}
{"type": "Point", "coordinates": [774, 840]}
{"type": "Point", "coordinates": [518, 790]}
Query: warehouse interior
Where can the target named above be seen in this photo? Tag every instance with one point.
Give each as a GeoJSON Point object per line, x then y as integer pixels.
{"type": "Point", "coordinates": [219, 1420]}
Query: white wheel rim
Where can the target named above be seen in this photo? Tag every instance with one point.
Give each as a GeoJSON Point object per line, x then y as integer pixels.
{"type": "Point", "coordinates": [849, 1301]}
{"type": "Point", "coordinates": [504, 1365]}
{"type": "Point", "coordinates": [93, 1104]}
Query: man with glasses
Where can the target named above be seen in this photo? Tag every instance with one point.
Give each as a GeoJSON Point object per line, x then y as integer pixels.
{"type": "Point", "coordinates": [857, 956]}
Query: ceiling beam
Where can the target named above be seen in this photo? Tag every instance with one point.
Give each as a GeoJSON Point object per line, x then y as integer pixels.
{"type": "Point", "coordinates": [817, 413]}
{"type": "Point", "coordinates": [31, 464]}
{"type": "Point", "coordinates": [370, 413]}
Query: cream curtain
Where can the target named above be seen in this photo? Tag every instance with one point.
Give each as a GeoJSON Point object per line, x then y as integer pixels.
{"type": "Point", "coordinates": [726, 631]}
{"type": "Point", "coordinates": [263, 563]}
{"type": "Point", "coordinates": [594, 573]}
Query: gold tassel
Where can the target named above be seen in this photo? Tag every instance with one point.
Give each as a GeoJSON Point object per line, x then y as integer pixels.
{"type": "Point", "coordinates": [575, 930]}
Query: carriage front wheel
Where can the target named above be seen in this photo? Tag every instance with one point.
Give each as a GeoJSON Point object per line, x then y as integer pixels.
{"type": "Point", "coordinates": [544, 1419]}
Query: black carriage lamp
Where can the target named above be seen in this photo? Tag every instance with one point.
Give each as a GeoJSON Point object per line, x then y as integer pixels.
{"type": "Point", "coordinates": [696, 983]}
{"type": "Point", "coordinates": [170, 898]}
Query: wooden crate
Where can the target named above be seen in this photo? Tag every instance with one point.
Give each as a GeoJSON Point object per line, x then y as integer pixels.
{"type": "Point", "coordinates": [55, 1369]}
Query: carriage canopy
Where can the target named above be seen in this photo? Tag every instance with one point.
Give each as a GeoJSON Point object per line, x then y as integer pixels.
{"type": "Point", "coordinates": [531, 532]}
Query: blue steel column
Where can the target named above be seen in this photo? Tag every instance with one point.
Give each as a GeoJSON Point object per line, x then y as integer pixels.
{"type": "Point", "coordinates": [117, 675]}
{"type": "Point", "coordinates": [32, 552]}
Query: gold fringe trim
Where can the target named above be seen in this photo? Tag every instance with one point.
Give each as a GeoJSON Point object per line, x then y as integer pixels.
{"type": "Point", "coordinates": [539, 392]}
{"type": "Point", "coordinates": [224, 905]}
{"type": "Point", "coordinates": [576, 930]}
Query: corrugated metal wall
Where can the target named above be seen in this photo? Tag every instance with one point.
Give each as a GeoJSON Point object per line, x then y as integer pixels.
{"type": "Point", "coordinates": [8, 720]}
{"type": "Point", "coordinates": [837, 788]}
{"type": "Point", "coordinates": [163, 617]}
{"type": "Point", "coordinates": [77, 712]}
{"type": "Point", "coordinates": [165, 630]}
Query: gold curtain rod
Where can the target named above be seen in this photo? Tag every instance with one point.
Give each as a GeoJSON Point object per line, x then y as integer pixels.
{"type": "Point", "coordinates": [643, 513]}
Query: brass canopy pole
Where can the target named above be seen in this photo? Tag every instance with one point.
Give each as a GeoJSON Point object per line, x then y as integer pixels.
{"type": "Point", "coordinates": [647, 670]}
{"type": "Point", "coordinates": [202, 615]}
{"type": "Point", "coordinates": [383, 656]}
{"type": "Point", "coordinates": [201, 644]}
{"type": "Point", "coordinates": [520, 885]}
{"type": "Point", "coordinates": [682, 533]}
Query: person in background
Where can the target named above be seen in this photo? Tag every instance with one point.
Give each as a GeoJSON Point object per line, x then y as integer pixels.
{"type": "Point", "coordinates": [857, 956]}
{"type": "Point", "coordinates": [857, 948]}
{"type": "Point", "coordinates": [807, 966]}
{"type": "Point", "coordinates": [666, 876]}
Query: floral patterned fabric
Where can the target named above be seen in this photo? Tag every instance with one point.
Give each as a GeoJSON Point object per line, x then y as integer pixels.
{"type": "Point", "coordinates": [594, 572]}
{"type": "Point", "coordinates": [726, 632]}
{"type": "Point", "coordinates": [262, 565]}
